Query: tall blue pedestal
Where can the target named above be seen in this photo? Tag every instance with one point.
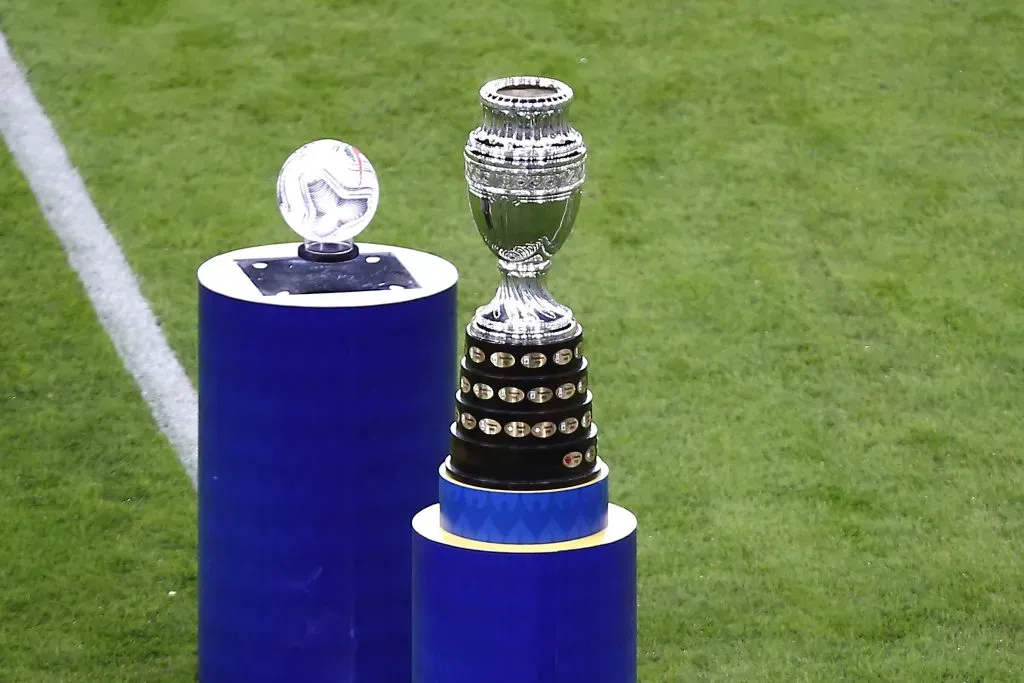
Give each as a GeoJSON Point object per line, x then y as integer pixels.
{"type": "Point", "coordinates": [322, 419]}
{"type": "Point", "coordinates": [513, 586]}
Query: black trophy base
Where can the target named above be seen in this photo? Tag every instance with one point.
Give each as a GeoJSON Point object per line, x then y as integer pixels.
{"type": "Point", "coordinates": [527, 485]}
{"type": "Point", "coordinates": [524, 417]}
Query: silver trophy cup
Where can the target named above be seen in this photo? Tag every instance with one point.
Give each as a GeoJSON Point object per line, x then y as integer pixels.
{"type": "Point", "coordinates": [525, 166]}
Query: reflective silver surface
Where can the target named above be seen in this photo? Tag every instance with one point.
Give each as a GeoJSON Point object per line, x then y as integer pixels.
{"type": "Point", "coordinates": [525, 167]}
{"type": "Point", "coordinates": [517, 429]}
{"type": "Point", "coordinates": [511, 394]}
{"type": "Point", "coordinates": [490, 426]}
{"type": "Point", "coordinates": [543, 430]}
{"type": "Point", "coordinates": [534, 360]}
{"type": "Point", "coordinates": [501, 359]}
{"type": "Point", "coordinates": [539, 394]}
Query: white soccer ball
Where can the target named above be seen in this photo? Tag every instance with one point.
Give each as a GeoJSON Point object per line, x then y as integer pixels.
{"type": "Point", "coordinates": [327, 191]}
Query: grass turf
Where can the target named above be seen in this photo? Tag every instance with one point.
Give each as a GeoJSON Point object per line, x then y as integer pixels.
{"type": "Point", "coordinates": [96, 516]}
{"type": "Point", "coordinates": [798, 262]}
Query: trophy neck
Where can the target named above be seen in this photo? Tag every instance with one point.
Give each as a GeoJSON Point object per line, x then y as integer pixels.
{"type": "Point", "coordinates": [525, 128]}
{"type": "Point", "coordinates": [522, 310]}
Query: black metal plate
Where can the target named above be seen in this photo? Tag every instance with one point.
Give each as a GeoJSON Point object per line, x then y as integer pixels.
{"type": "Point", "coordinates": [365, 273]}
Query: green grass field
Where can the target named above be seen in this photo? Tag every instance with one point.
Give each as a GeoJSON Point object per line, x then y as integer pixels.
{"type": "Point", "coordinates": [96, 516]}
{"type": "Point", "coordinates": [799, 263]}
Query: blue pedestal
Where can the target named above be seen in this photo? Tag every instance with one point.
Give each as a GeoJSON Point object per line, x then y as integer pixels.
{"type": "Point", "coordinates": [507, 613]}
{"type": "Point", "coordinates": [513, 586]}
{"type": "Point", "coordinates": [322, 420]}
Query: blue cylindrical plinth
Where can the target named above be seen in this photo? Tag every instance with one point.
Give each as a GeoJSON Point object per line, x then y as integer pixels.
{"type": "Point", "coordinates": [508, 613]}
{"type": "Point", "coordinates": [322, 420]}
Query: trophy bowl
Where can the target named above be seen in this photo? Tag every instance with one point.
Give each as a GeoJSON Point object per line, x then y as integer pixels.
{"type": "Point", "coordinates": [525, 167]}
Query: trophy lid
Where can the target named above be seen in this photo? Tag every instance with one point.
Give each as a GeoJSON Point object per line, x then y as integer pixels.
{"type": "Point", "coordinates": [520, 94]}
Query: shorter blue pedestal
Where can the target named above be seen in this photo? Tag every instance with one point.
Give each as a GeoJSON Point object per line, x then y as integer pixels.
{"type": "Point", "coordinates": [524, 613]}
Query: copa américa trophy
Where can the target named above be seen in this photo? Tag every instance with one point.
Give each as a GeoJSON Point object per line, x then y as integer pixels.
{"type": "Point", "coordinates": [524, 571]}
{"type": "Point", "coordinates": [524, 415]}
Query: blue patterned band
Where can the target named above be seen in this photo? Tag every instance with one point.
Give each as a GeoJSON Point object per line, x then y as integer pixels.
{"type": "Point", "coordinates": [526, 517]}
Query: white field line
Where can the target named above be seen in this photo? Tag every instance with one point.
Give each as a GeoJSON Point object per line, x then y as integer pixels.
{"type": "Point", "coordinates": [97, 258]}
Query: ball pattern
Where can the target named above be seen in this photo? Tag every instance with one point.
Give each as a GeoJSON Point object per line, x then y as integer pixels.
{"type": "Point", "coordinates": [327, 191]}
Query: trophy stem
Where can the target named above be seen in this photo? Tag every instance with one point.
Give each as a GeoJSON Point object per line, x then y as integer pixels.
{"type": "Point", "coordinates": [523, 310]}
